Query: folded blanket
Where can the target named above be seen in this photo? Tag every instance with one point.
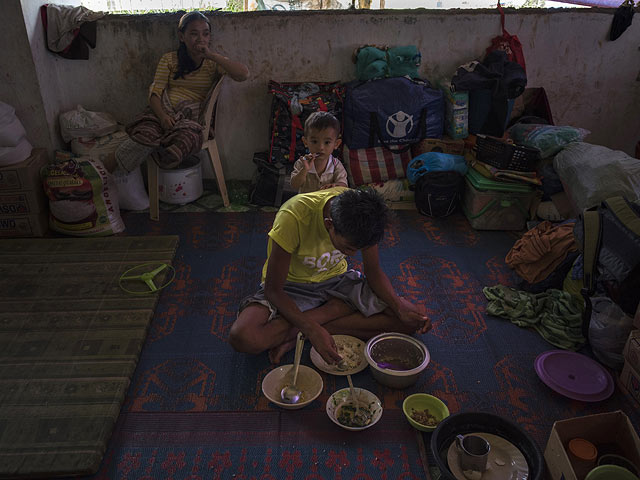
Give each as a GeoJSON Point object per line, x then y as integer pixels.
{"type": "Point", "coordinates": [554, 314]}
{"type": "Point", "coordinates": [173, 146]}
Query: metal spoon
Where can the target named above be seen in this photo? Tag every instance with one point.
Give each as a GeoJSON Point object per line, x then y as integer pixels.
{"type": "Point", "coordinates": [290, 393]}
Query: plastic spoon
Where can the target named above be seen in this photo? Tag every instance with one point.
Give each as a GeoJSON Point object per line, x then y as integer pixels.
{"type": "Point", "coordinates": [290, 393]}
{"type": "Point", "coordinates": [353, 395]}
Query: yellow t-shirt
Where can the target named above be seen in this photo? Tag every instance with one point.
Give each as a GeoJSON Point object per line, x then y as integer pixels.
{"type": "Point", "coordinates": [192, 86]}
{"type": "Point", "coordinates": [299, 229]}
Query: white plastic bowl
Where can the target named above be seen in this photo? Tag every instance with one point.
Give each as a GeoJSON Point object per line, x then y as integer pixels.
{"type": "Point", "coordinates": [309, 382]}
{"type": "Point", "coordinates": [396, 347]}
{"type": "Point", "coordinates": [364, 397]}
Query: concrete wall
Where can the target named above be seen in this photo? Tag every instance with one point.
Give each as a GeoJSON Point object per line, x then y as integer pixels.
{"type": "Point", "coordinates": [591, 82]}
{"type": "Point", "coordinates": [19, 84]}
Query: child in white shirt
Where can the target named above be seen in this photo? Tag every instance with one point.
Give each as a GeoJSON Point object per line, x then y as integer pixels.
{"type": "Point", "coordinates": [319, 169]}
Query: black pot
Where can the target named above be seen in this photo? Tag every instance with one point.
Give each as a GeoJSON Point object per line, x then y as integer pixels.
{"type": "Point", "coordinates": [469, 422]}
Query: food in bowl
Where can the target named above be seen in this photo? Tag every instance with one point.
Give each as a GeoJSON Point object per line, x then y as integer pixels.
{"type": "Point", "coordinates": [424, 417]}
{"type": "Point", "coordinates": [351, 351]}
{"type": "Point", "coordinates": [341, 409]}
{"type": "Point", "coordinates": [396, 354]}
{"type": "Point", "coordinates": [395, 359]}
{"type": "Point", "coordinates": [424, 411]}
{"type": "Point", "coordinates": [354, 414]}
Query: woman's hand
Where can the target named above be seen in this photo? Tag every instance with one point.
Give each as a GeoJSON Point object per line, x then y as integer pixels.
{"type": "Point", "coordinates": [167, 122]}
{"type": "Point", "coordinates": [236, 70]}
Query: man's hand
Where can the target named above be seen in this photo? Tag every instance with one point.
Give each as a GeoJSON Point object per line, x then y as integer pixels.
{"type": "Point", "coordinates": [412, 316]}
{"type": "Point", "coordinates": [324, 344]}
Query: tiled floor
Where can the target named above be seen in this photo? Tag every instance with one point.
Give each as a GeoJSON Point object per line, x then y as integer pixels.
{"type": "Point", "coordinates": [211, 201]}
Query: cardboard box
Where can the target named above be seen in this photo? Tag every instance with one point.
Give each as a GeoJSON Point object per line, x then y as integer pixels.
{"type": "Point", "coordinates": [444, 145]}
{"type": "Point", "coordinates": [24, 202]}
{"type": "Point", "coordinates": [24, 175]}
{"type": "Point", "coordinates": [631, 350]}
{"type": "Point", "coordinates": [629, 382]}
{"type": "Point", "coordinates": [35, 225]}
{"type": "Point", "coordinates": [610, 432]}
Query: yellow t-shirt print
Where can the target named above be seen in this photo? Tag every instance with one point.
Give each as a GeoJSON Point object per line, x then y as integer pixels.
{"type": "Point", "coordinates": [299, 229]}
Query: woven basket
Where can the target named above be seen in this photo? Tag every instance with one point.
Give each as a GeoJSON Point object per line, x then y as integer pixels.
{"type": "Point", "coordinates": [506, 156]}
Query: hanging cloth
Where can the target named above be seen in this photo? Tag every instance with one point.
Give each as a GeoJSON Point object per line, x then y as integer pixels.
{"type": "Point", "coordinates": [621, 19]}
{"type": "Point", "coordinates": [69, 31]}
{"type": "Point", "coordinates": [510, 44]}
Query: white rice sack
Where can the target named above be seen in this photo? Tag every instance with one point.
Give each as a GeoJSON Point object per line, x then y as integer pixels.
{"type": "Point", "coordinates": [83, 200]}
{"type": "Point", "coordinates": [131, 192]}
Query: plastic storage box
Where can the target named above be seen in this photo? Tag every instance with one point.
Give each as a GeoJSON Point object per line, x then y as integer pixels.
{"type": "Point", "coordinates": [495, 205]}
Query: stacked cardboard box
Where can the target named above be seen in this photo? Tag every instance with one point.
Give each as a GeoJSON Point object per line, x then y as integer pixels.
{"type": "Point", "coordinates": [23, 204]}
{"type": "Point", "coordinates": [629, 379]}
{"type": "Point", "coordinates": [610, 432]}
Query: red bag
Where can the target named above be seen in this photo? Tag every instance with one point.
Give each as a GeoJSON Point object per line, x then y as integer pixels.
{"type": "Point", "coordinates": [375, 164]}
{"type": "Point", "coordinates": [510, 44]}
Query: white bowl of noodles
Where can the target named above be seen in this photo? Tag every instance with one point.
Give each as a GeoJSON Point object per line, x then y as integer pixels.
{"type": "Point", "coordinates": [354, 414]}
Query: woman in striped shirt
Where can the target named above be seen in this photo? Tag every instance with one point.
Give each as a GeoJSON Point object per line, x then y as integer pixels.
{"type": "Point", "coordinates": [189, 73]}
{"type": "Point", "coordinates": [171, 129]}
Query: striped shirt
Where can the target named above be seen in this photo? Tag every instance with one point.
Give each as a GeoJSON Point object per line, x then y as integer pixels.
{"type": "Point", "coordinates": [193, 86]}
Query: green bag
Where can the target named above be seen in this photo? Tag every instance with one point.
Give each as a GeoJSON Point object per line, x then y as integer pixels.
{"type": "Point", "coordinates": [374, 63]}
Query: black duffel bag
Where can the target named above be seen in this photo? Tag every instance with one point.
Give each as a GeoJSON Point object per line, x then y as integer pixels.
{"type": "Point", "coordinates": [437, 193]}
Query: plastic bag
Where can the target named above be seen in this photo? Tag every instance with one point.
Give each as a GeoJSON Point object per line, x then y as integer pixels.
{"type": "Point", "coordinates": [435, 162]}
{"type": "Point", "coordinates": [131, 192]}
{"type": "Point", "coordinates": [608, 331]}
{"type": "Point", "coordinates": [84, 123]}
{"type": "Point", "coordinates": [549, 139]}
{"type": "Point", "coordinates": [593, 173]}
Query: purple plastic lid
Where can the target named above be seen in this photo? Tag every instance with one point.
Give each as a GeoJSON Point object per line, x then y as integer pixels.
{"type": "Point", "coordinates": [574, 375]}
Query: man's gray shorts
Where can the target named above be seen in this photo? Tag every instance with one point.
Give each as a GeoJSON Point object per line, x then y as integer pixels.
{"type": "Point", "coordinates": [350, 286]}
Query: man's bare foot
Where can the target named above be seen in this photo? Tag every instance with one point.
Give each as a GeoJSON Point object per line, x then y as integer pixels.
{"type": "Point", "coordinates": [276, 353]}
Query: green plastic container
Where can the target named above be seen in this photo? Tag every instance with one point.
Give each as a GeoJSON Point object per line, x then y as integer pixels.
{"type": "Point", "coordinates": [495, 205]}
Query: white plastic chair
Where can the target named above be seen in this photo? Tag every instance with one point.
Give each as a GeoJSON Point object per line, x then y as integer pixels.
{"type": "Point", "coordinates": [209, 145]}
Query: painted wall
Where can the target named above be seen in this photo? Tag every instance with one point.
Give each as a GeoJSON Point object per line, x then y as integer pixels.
{"type": "Point", "coordinates": [591, 82]}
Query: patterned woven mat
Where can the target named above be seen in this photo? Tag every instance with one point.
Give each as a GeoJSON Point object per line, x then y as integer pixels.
{"type": "Point", "coordinates": [69, 341]}
{"type": "Point", "coordinates": [273, 445]}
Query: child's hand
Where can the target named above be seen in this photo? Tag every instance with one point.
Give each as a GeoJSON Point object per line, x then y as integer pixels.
{"type": "Point", "coordinates": [307, 161]}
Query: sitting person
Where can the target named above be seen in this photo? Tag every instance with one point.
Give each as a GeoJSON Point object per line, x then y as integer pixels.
{"type": "Point", "coordinates": [319, 169]}
{"type": "Point", "coordinates": [171, 128]}
{"type": "Point", "coordinates": [307, 287]}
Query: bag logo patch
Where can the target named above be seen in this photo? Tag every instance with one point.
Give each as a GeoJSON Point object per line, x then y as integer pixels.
{"type": "Point", "coordinates": [399, 124]}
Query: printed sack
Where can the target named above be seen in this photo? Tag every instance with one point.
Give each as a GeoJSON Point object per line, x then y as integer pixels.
{"type": "Point", "coordinates": [372, 165]}
{"type": "Point", "coordinates": [83, 199]}
{"type": "Point", "coordinates": [391, 112]}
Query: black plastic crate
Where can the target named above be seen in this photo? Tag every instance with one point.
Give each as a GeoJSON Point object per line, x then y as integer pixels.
{"type": "Point", "coordinates": [506, 156]}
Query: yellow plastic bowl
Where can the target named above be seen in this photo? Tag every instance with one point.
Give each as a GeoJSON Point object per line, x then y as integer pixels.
{"type": "Point", "coordinates": [421, 401]}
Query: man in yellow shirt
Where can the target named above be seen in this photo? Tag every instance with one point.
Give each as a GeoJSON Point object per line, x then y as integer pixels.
{"type": "Point", "coordinates": [307, 287]}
